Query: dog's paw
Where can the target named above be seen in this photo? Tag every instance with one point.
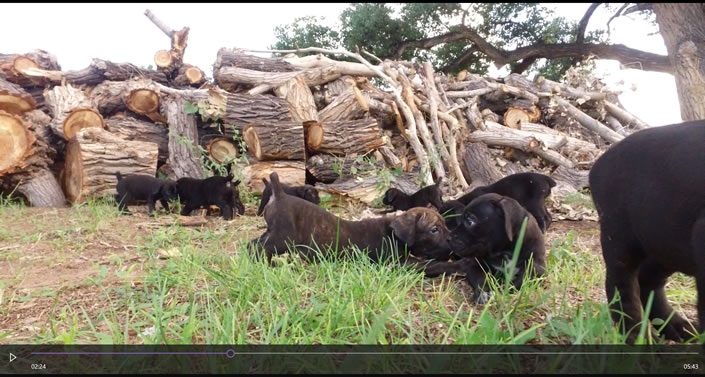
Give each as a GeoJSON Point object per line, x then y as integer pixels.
{"type": "Point", "coordinates": [483, 298]}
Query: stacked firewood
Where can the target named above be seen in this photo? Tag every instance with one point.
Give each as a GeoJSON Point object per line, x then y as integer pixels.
{"type": "Point", "coordinates": [309, 118]}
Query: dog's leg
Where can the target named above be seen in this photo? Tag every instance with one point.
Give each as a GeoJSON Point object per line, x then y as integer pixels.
{"type": "Point", "coordinates": [150, 205]}
{"type": "Point", "coordinates": [437, 268]}
{"type": "Point", "coordinates": [225, 209]}
{"type": "Point", "coordinates": [477, 279]}
{"type": "Point", "coordinates": [165, 204]}
{"type": "Point", "coordinates": [186, 211]}
{"type": "Point", "coordinates": [122, 202]}
{"type": "Point", "coordinates": [622, 262]}
{"type": "Point", "coordinates": [652, 277]}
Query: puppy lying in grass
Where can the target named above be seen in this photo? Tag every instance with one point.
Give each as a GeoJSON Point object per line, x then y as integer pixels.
{"type": "Point", "coordinates": [292, 220]}
{"type": "Point", "coordinates": [144, 187]}
{"type": "Point", "coordinates": [485, 243]}
{"type": "Point", "coordinates": [529, 189]}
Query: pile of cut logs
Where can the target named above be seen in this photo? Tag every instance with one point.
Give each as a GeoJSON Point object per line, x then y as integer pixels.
{"type": "Point", "coordinates": [309, 118]}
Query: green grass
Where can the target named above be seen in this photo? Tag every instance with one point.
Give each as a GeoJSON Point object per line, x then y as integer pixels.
{"type": "Point", "coordinates": [215, 292]}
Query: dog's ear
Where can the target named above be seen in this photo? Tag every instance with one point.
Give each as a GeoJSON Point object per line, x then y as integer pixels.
{"type": "Point", "coordinates": [513, 216]}
{"type": "Point", "coordinates": [404, 227]}
{"type": "Point", "coordinates": [551, 182]}
{"type": "Point", "coordinates": [389, 196]}
{"type": "Point", "coordinates": [312, 195]}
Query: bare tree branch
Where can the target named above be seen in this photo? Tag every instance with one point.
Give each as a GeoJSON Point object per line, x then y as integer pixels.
{"type": "Point", "coordinates": [619, 13]}
{"type": "Point", "coordinates": [524, 65]}
{"type": "Point", "coordinates": [638, 8]}
{"type": "Point", "coordinates": [584, 22]}
{"type": "Point", "coordinates": [458, 61]}
{"type": "Point", "coordinates": [625, 55]}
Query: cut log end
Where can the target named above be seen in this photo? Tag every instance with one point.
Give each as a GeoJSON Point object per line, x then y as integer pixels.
{"type": "Point", "coordinates": [194, 75]}
{"type": "Point", "coordinates": [222, 149]}
{"type": "Point", "coordinates": [143, 101]}
{"type": "Point", "coordinates": [163, 59]}
{"type": "Point", "coordinates": [253, 143]}
{"type": "Point", "coordinates": [16, 140]}
{"type": "Point", "coordinates": [314, 135]}
{"type": "Point", "coordinates": [82, 118]}
{"type": "Point", "coordinates": [16, 104]}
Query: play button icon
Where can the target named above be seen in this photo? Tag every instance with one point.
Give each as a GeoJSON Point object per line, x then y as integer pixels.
{"type": "Point", "coordinates": [12, 357]}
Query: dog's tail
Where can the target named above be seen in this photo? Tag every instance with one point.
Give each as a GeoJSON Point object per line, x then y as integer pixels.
{"type": "Point", "coordinates": [277, 190]}
{"type": "Point", "coordinates": [118, 176]}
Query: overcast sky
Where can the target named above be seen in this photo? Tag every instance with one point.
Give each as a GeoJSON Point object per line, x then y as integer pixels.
{"type": "Point", "coordinates": [75, 33]}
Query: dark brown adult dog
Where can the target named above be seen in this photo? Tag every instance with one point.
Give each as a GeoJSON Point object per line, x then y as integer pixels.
{"type": "Point", "coordinates": [485, 243]}
{"type": "Point", "coordinates": [144, 187]}
{"type": "Point", "coordinates": [306, 192]}
{"type": "Point", "coordinates": [649, 191]}
{"type": "Point", "coordinates": [420, 231]}
{"type": "Point", "coordinates": [422, 198]}
{"type": "Point", "coordinates": [529, 189]}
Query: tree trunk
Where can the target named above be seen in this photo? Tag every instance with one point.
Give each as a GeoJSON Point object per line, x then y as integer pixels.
{"type": "Point", "coordinates": [138, 95]}
{"type": "Point", "coordinates": [297, 94]}
{"type": "Point", "coordinates": [323, 167]}
{"type": "Point", "coordinates": [32, 176]}
{"type": "Point", "coordinates": [228, 57]}
{"type": "Point", "coordinates": [71, 111]}
{"type": "Point", "coordinates": [242, 110]}
{"type": "Point", "coordinates": [14, 99]}
{"type": "Point", "coordinates": [275, 141]}
{"type": "Point", "coordinates": [25, 69]}
{"type": "Point", "coordinates": [578, 179]}
{"type": "Point", "coordinates": [368, 190]}
{"type": "Point", "coordinates": [101, 70]}
{"type": "Point", "coordinates": [184, 156]}
{"type": "Point", "coordinates": [94, 155]}
{"type": "Point", "coordinates": [477, 166]}
{"type": "Point", "coordinates": [350, 136]}
{"type": "Point", "coordinates": [346, 106]}
{"type": "Point", "coordinates": [682, 27]}
{"type": "Point", "coordinates": [130, 128]}
{"type": "Point", "coordinates": [291, 173]}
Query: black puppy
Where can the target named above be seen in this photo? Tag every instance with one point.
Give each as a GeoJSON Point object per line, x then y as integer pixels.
{"type": "Point", "coordinates": [307, 192]}
{"type": "Point", "coordinates": [144, 187]}
{"type": "Point", "coordinates": [422, 198]}
{"type": "Point", "coordinates": [529, 189]}
{"type": "Point", "coordinates": [485, 242]}
{"type": "Point", "coordinates": [649, 191]}
{"type": "Point", "coordinates": [216, 190]}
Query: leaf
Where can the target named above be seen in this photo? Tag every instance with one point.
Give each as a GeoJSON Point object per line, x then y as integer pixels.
{"type": "Point", "coordinates": [190, 108]}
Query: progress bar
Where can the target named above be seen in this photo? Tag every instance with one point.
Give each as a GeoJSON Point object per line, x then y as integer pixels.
{"type": "Point", "coordinates": [231, 353]}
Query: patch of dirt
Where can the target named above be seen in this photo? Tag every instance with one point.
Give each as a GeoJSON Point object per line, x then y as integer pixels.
{"type": "Point", "coordinates": [50, 258]}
